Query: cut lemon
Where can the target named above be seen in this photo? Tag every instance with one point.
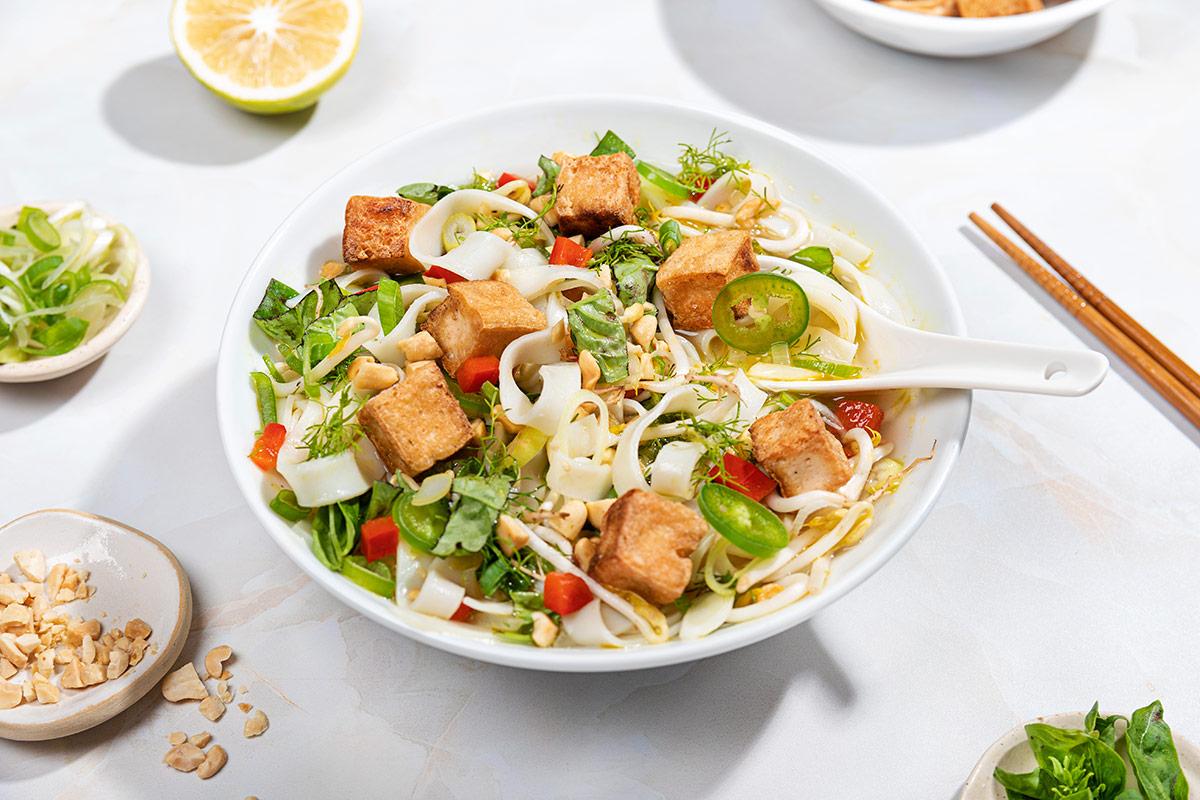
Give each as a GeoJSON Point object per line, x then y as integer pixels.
{"type": "Point", "coordinates": [267, 56]}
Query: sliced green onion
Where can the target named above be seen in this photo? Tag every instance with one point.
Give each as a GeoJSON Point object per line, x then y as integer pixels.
{"type": "Point", "coordinates": [368, 576]}
{"type": "Point", "coordinates": [670, 236]}
{"type": "Point", "coordinates": [781, 355]}
{"type": "Point", "coordinates": [37, 228]}
{"type": "Point", "coordinates": [829, 368]}
{"type": "Point", "coordinates": [264, 390]}
{"type": "Point", "coordinates": [458, 227]}
{"type": "Point", "coordinates": [7, 238]}
{"type": "Point", "coordinates": [286, 506]}
{"type": "Point", "coordinates": [390, 306]}
{"type": "Point", "coordinates": [61, 337]}
{"type": "Point", "coordinates": [663, 180]}
{"type": "Point", "coordinates": [32, 277]}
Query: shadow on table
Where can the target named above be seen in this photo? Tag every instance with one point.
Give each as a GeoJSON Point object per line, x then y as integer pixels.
{"type": "Point", "coordinates": [1031, 287]}
{"type": "Point", "coordinates": [26, 403]}
{"type": "Point", "coordinates": [787, 62]}
{"type": "Point", "coordinates": [701, 719]}
{"type": "Point", "coordinates": [159, 108]}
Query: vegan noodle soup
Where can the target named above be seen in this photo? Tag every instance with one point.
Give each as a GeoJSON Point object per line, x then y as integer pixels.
{"type": "Point", "coordinates": [551, 409]}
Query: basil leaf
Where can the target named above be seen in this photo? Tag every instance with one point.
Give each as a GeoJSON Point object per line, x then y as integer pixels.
{"type": "Point", "coordinates": [550, 171]}
{"type": "Point", "coordinates": [611, 143]}
{"type": "Point", "coordinates": [818, 258]}
{"type": "Point", "coordinates": [274, 316]}
{"type": "Point", "coordinates": [320, 338]}
{"type": "Point", "coordinates": [595, 328]}
{"type": "Point", "coordinates": [363, 301]}
{"type": "Point", "coordinates": [474, 517]}
{"type": "Point", "coordinates": [61, 337]}
{"type": "Point", "coordinates": [391, 306]}
{"type": "Point", "coordinates": [1036, 785]}
{"type": "Point", "coordinates": [335, 532]}
{"type": "Point", "coordinates": [634, 278]}
{"type": "Point", "coordinates": [1152, 753]}
{"type": "Point", "coordinates": [427, 193]}
{"type": "Point", "coordinates": [1105, 727]}
{"type": "Point", "coordinates": [383, 494]}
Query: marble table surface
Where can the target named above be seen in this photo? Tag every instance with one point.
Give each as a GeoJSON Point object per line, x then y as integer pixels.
{"type": "Point", "coordinates": [1055, 570]}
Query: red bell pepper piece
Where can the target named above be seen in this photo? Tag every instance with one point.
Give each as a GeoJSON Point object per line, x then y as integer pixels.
{"type": "Point", "coordinates": [566, 593]}
{"type": "Point", "coordinates": [266, 449]}
{"type": "Point", "coordinates": [703, 184]}
{"type": "Point", "coordinates": [859, 414]}
{"type": "Point", "coordinates": [380, 537]}
{"type": "Point", "coordinates": [476, 371]}
{"type": "Point", "coordinates": [743, 476]}
{"type": "Point", "coordinates": [462, 614]}
{"type": "Point", "coordinates": [508, 177]}
{"type": "Point", "coordinates": [441, 272]}
{"type": "Point", "coordinates": [566, 252]}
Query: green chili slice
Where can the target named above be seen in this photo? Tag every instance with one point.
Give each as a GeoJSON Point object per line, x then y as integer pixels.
{"type": "Point", "coordinates": [670, 236]}
{"type": "Point", "coordinates": [663, 180]}
{"type": "Point", "coordinates": [774, 308]}
{"type": "Point", "coordinates": [369, 576]}
{"type": "Point", "coordinates": [421, 526]}
{"type": "Point", "coordinates": [745, 523]}
{"type": "Point", "coordinates": [286, 506]}
{"type": "Point", "coordinates": [37, 228]}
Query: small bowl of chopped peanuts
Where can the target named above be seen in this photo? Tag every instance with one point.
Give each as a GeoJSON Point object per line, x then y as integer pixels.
{"type": "Point", "coordinates": [92, 615]}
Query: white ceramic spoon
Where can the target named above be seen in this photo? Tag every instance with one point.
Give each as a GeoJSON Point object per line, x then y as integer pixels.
{"type": "Point", "coordinates": [901, 357]}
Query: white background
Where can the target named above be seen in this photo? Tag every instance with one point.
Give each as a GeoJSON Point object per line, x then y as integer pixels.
{"type": "Point", "coordinates": [1057, 569]}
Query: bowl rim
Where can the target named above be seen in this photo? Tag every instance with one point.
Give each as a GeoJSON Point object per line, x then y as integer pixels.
{"type": "Point", "coordinates": [589, 659]}
{"type": "Point", "coordinates": [1063, 14]}
{"type": "Point", "coordinates": [44, 369]}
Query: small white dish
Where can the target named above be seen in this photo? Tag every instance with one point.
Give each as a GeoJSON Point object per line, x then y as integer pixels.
{"type": "Point", "coordinates": [957, 37]}
{"type": "Point", "coordinates": [1011, 752]}
{"type": "Point", "coordinates": [134, 576]}
{"type": "Point", "coordinates": [44, 369]}
{"type": "Point", "coordinates": [512, 137]}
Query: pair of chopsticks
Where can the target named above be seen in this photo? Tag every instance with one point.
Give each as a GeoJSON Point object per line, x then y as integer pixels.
{"type": "Point", "coordinates": [1166, 372]}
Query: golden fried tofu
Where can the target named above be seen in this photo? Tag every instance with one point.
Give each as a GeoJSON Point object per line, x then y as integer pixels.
{"type": "Point", "coordinates": [417, 422]}
{"type": "Point", "coordinates": [798, 451]}
{"type": "Point", "coordinates": [997, 8]}
{"type": "Point", "coordinates": [698, 270]}
{"type": "Point", "coordinates": [645, 544]}
{"type": "Point", "coordinates": [480, 318]}
{"type": "Point", "coordinates": [376, 233]}
{"type": "Point", "coordinates": [597, 193]}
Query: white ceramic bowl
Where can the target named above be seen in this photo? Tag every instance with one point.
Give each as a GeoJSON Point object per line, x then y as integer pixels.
{"type": "Point", "coordinates": [44, 369]}
{"type": "Point", "coordinates": [1011, 752]}
{"type": "Point", "coordinates": [134, 576]}
{"type": "Point", "coordinates": [511, 138]}
{"type": "Point", "coordinates": [957, 37]}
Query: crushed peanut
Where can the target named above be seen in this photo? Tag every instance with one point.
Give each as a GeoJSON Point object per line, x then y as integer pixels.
{"type": "Point", "coordinates": [200, 739]}
{"type": "Point", "coordinates": [216, 658]}
{"type": "Point", "coordinates": [183, 684]}
{"type": "Point", "coordinates": [245, 707]}
{"type": "Point", "coordinates": [36, 637]}
{"type": "Point", "coordinates": [184, 757]}
{"type": "Point", "coordinates": [178, 737]}
{"type": "Point", "coordinates": [214, 759]}
{"type": "Point", "coordinates": [255, 725]}
{"type": "Point", "coordinates": [212, 708]}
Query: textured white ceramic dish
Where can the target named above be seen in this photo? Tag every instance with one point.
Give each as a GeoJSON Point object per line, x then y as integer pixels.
{"type": "Point", "coordinates": [511, 138]}
{"type": "Point", "coordinates": [44, 369]}
{"type": "Point", "coordinates": [957, 37]}
{"type": "Point", "coordinates": [134, 576]}
{"type": "Point", "coordinates": [1011, 753]}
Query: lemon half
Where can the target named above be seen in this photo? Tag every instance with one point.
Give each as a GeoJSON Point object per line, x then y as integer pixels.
{"type": "Point", "coordinates": [267, 56]}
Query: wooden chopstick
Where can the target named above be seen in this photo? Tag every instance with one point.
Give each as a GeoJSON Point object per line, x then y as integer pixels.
{"type": "Point", "coordinates": [1144, 364]}
{"type": "Point", "coordinates": [1098, 300]}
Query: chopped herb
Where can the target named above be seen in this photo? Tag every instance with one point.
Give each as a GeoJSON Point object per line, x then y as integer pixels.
{"type": "Point", "coordinates": [427, 193]}
{"type": "Point", "coordinates": [611, 143]}
{"type": "Point", "coordinates": [337, 431]}
{"type": "Point", "coordinates": [818, 258]}
{"type": "Point", "coordinates": [550, 171]}
{"type": "Point", "coordinates": [701, 167]}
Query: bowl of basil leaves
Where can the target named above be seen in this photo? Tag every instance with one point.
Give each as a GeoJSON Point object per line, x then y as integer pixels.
{"type": "Point", "coordinates": [1077, 756]}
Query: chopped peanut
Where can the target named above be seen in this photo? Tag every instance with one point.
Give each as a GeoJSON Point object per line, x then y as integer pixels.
{"type": "Point", "coordinates": [421, 347]}
{"type": "Point", "coordinates": [589, 368]}
{"type": "Point", "coordinates": [544, 630]}
{"type": "Point", "coordinates": [47, 693]}
{"type": "Point", "coordinates": [213, 761]}
{"type": "Point", "coordinates": [72, 677]}
{"type": "Point", "coordinates": [32, 563]}
{"type": "Point", "coordinates": [643, 331]}
{"type": "Point", "coordinates": [368, 375]}
{"type": "Point", "coordinates": [510, 535]}
{"type": "Point", "coordinates": [7, 670]}
{"type": "Point", "coordinates": [118, 663]}
{"type": "Point", "coordinates": [331, 269]}
{"type": "Point", "coordinates": [212, 708]}
{"type": "Point", "coordinates": [183, 684]}
{"type": "Point", "coordinates": [137, 628]}
{"type": "Point", "coordinates": [11, 695]}
{"type": "Point", "coordinates": [585, 551]}
{"type": "Point", "coordinates": [178, 737]}
{"type": "Point", "coordinates": [214, 661]}
{"type": "Point", "coordinates": [597, 509]}
{"type": "Point", "coordinates": [200, 739]}
{"type": "Point", "coordinates": [184, 757]}
{"type": "Point", "coordinates": [569, 520]}
{"type": "Point", "coordinates": [255, 725]}
{"type": "Point", "coordinates": [245, 707]}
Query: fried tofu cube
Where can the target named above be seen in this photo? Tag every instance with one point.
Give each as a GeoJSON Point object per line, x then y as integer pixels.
{"type": "Point", "coordinates": [645, 544]}
{"type": "Point", "coordinates": [798, 451]}
{"type": "Point", "coordinates": [597, 193]}
{"type": "Point", "coordinates": [693, 276]}
{"type": "Point", "coordinates": [376, 233]}
{"type": "Point", "coordinates": [997, 8]}
{"type": "Point", "coordinates": [417, 422]}
{"type": "Point", "coordinates": [480, 318]}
